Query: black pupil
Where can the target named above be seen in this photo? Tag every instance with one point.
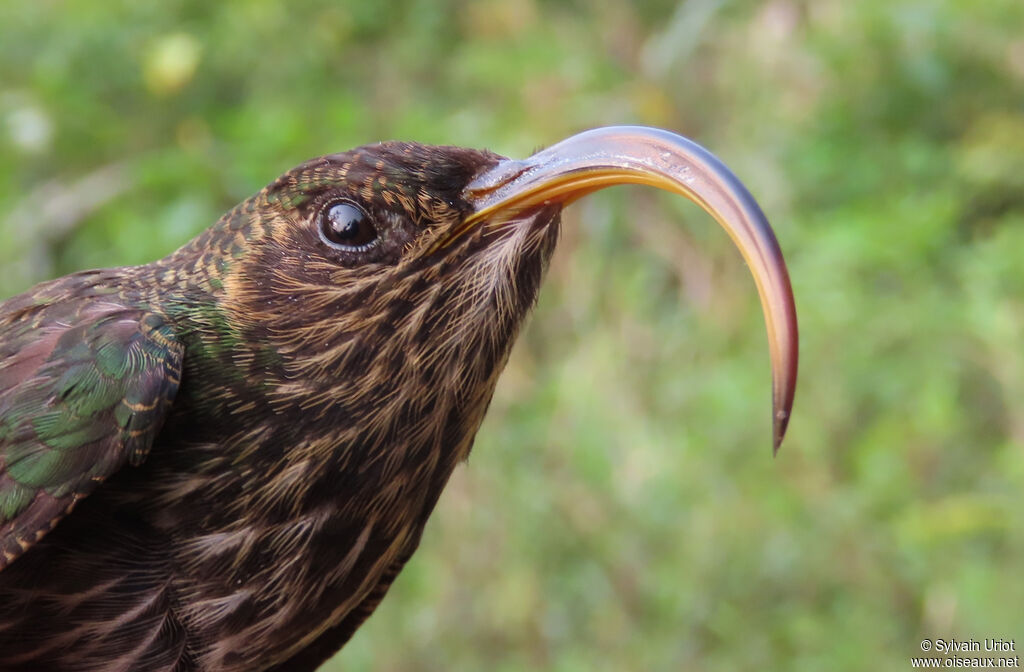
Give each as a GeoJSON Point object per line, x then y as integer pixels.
{"type": "Point", "coordinates": [347, 225]}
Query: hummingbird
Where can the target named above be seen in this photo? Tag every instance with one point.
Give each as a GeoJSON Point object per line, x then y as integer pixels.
{"type": "Point", "coordinates": [222, 459]}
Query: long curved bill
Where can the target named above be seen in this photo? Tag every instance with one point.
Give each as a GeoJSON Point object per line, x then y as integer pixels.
{"type": "Point", "coordinates": [605, 157]}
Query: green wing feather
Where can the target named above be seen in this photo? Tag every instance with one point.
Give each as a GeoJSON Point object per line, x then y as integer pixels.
{"type": "Point", "coordinates": [80, 394]}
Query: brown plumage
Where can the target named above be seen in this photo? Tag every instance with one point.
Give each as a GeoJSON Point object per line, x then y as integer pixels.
{"type": "Point", "coordinates": [221, 460]}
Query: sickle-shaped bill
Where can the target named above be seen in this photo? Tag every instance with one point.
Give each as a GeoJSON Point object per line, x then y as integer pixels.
{"type": "Point", "coordinates": [637, 155]}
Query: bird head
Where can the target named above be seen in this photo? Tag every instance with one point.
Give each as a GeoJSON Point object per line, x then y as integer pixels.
{"type": "Point", "coordinates": [405, 264]}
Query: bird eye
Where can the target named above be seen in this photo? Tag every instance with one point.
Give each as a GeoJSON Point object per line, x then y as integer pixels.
{"type": "Point", "coordinates": [345, 225]}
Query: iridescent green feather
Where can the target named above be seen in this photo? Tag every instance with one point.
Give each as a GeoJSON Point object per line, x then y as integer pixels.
{"type": "Point", "coordinates": [71, 419]}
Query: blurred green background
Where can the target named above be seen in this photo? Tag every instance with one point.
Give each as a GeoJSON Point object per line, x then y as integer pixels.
{"type": "Point", "coordinates": [621, 510]}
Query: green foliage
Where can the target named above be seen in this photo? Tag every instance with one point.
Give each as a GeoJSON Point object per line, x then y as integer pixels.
{"type": "Point", "coordinates": [621, 510]}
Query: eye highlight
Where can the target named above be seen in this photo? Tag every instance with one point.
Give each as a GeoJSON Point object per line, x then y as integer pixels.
{"type": "Point", "coordinates": [346, 226]}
